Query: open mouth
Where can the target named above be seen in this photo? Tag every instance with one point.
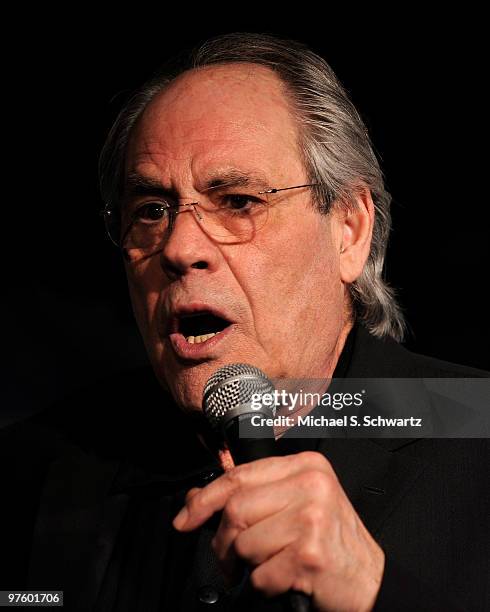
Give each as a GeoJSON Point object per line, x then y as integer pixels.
{"type": "Point", "coordinates": [201, 326]}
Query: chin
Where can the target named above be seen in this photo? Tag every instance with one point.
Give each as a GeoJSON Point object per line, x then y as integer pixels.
{"type": "Point", "coordinates": [186, 382]}
{"type": "Point", "coordinates": [186, 385]}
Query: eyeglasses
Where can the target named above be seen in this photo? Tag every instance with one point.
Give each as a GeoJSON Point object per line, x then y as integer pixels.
{"type": "Point", "coordinates": [229, 214]}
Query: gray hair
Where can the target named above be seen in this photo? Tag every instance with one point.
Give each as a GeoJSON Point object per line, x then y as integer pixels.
{"type": "Point", "coordinates": [333, 141]}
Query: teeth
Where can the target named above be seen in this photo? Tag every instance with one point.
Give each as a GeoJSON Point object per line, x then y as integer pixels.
{"type": "Point", "coordinates": [199, 339]}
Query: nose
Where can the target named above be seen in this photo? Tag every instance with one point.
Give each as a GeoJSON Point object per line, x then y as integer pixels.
{"type": "Point", "coordinates": [188, 247]}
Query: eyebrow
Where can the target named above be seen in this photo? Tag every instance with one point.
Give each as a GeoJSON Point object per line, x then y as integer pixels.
{"type": "Point", "coordinates": [139, 185]}
{"type": "Point", "coordinates": [236, 178]}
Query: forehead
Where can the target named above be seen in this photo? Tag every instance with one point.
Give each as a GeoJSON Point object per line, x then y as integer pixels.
{"type": "Point", "coordinates": [225, 115]}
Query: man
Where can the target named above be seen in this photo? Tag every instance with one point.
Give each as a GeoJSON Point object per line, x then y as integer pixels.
{"type": "Point", "coordinates": [251, 212]}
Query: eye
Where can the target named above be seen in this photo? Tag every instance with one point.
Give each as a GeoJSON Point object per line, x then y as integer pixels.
{"type": "Point", "coordinates": [151, 212]}
{"type": "Point", "coordinates": [239, 203]}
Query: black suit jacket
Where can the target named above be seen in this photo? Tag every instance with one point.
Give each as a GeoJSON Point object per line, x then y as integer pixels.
{"type": "Point", "coordinates": [74, 477]}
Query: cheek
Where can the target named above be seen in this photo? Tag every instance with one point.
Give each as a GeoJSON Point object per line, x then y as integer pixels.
{"type": "Point", "coordinates": [315, 283]}
{"type": "Point", "coordinates": [305, 262]}
{"type": "Point", "coordinates": [286, 273]}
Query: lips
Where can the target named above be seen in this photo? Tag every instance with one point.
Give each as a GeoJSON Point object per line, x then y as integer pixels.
{"type": "Point", "coordinates": [195, 329]}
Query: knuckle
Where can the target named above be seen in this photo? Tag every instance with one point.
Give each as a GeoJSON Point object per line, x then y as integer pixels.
{"type": "Point", "coordinates": [259, 580]}
{"type": "Point", "coordinates": [319, 482]}
{"type": "Point", "coordinates": [312, 515]}
{"type": "Point", "coordinates": [315, 460]}
{"type": "Point", "coordinates": [191, 493]}
{"type": "Point", "coordinates": [195, 503]}
{"type": "Point", "coordinates": [232, 511]}
{"type": "Point", "coordinates": [310, 555]}
{"type": "Point", "coordinates": [269, 581]}
{"type": "Point", "coordinates": [240, 546]}
{"type": "Point", "coordinates": [236, 476]}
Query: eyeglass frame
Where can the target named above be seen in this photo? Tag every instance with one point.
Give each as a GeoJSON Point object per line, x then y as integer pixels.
{"type": "Point", "coordinates": [107, 211]}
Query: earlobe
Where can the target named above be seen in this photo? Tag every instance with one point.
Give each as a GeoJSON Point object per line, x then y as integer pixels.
{"type": "Point", "coordinates": [356, 236]}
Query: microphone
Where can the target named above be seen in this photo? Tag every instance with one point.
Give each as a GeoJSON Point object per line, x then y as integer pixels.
{"type": "Point", "coordinates": [227, 405]}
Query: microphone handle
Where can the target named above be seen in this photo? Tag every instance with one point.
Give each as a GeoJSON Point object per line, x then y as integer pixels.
{"type": "Point", "coordinates": [244, 450]}
{"type": "Point", "coordinates": [297, 601]}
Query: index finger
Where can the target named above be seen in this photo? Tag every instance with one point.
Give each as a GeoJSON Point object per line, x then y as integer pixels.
{"type": "Point", "coordinates": [212, 498]}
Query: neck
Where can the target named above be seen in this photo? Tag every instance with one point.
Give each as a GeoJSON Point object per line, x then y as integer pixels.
{"type": "Point", "coordinates": [315, 387]}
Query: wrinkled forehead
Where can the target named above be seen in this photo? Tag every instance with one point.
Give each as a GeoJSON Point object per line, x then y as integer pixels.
{"type": "Point", "coordinates": [230, 93]}
{"type": "Point", "coordinates": [209, 114]}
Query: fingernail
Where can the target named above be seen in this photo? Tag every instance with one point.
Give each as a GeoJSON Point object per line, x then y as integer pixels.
{"type": "Point", "coordinates": [181, 519]}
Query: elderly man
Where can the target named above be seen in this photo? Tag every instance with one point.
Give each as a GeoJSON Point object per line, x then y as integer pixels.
{"type": "Point", "coordinates": [250, 209]}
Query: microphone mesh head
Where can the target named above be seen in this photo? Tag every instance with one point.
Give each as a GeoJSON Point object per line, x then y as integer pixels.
{"type": "Point", "coordinates": [231, 386]}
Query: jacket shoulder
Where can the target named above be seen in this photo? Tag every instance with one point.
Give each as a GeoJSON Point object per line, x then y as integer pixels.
{"type": "Point", "coordinates": [384, 357]}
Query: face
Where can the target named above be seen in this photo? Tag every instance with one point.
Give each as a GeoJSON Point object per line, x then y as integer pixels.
{"type": "Point", "coordinates": [278, 297]}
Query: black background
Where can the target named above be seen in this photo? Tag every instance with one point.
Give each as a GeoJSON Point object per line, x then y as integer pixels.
{"type": "Point", "coordinates": [418, 82]}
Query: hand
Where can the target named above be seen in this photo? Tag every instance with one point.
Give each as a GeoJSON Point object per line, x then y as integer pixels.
{"type": "Point", "coordinates": [291, 521]}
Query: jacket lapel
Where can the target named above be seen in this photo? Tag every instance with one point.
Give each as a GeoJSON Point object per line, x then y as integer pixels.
{"type": "Point", "coordinates": [374, 476]}
{"type": "Point", "coordinates": [373, 472]}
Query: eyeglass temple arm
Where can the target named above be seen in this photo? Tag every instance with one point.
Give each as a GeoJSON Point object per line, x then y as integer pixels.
{"type": "Point", "coordinates": [287, 188]}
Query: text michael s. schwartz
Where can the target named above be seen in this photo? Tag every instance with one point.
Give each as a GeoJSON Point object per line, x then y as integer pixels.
{"type": "Point", "coordinates": [346, 421]}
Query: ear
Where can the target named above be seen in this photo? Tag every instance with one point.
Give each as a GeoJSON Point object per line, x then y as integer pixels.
{"type": "Point", "coordinates": [356, 234]}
